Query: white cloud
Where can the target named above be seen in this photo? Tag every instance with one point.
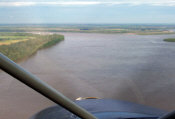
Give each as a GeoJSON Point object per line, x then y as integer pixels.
{"type": "Point", "coordinates": [71, 3]}
{"type": "Point", "coordinates": [105, 2]}
{"type": "Point", "coordinates": [17, 3]}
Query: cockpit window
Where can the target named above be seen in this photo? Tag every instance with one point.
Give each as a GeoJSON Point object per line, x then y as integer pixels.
{"type": "Point", "coordinates": [88, 49]}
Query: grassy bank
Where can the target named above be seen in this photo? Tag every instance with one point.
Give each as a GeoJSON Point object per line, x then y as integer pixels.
{"type": "Point", "coordinates": [27, 44]}
{"type": "Point", "coordinates": [55, 39]}
{"type": "Point", "coordinates": [170, 40]}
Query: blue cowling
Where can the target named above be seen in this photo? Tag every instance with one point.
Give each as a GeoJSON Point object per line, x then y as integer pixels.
{"type": "Point", "coordinates": [103, 109]}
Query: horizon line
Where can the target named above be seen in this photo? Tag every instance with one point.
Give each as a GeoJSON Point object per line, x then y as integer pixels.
{"type": "Point", "coordinates": [77, 23]}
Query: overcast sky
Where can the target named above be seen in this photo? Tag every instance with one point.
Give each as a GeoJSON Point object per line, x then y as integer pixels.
{"type": "Point", "coordinates": [87, 11]}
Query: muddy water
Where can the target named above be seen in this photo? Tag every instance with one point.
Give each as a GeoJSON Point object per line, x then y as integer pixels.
{"type": "Point", "coordinates": [134, 68]}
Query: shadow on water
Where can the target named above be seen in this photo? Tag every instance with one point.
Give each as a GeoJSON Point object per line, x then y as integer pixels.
{"type": "Point", "coordinates": [153, 83]}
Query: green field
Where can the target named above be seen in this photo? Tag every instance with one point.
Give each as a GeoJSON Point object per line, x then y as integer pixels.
{"type": "Point", "coordinates": [17, 46]}
{"type": "Point", "coordinates": [170, 40]}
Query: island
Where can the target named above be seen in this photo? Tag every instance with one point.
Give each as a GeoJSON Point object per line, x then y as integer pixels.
{"type": "Point", "coordinates": [170, 40]}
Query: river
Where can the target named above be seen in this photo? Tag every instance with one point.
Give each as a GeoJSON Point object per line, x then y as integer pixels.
{"type": "Point", "coordinates": [136, 68]}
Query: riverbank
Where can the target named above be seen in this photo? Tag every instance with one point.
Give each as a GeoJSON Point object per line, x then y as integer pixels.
{"type": "Point", "coordinates": [28, 45]}
{"type": "Point", "coordinates": [170, 40]}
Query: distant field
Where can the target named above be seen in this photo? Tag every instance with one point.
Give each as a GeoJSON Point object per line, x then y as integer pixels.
{"type": "Point", "coordinates": [170, 39]}
{"type": "Point", "coordinates": [7, 40]}
{"type": "Point", "coordinates": [20, 45]}
{"type": "Point", "coordinates": [141, 29]}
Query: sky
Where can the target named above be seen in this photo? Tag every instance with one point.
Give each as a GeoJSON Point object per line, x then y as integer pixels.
{"type": "Point", "coordinates": [86, 11]}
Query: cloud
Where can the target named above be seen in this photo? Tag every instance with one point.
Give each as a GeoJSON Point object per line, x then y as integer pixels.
{"type": "Point", "coordinates": [16, 4]}
{"type": "Point", "coordinates": [79, 3]}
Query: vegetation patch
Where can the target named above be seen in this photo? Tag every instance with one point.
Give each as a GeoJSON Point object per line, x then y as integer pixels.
{"type": "Point", "coordinates": [170, 40]}
{"type": "Point", "coordinates": [8, 42]}
{"type": "Point", "coordinates": [21, 45]}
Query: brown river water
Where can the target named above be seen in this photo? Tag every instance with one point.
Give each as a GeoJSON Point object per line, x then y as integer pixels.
{"type": "Point", "coordinates": [135, 68]}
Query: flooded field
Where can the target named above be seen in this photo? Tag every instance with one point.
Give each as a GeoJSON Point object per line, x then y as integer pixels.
{"type": "Point", "coordinates": [136, 68]}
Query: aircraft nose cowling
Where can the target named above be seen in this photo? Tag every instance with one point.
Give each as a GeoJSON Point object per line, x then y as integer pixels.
{"type": "Point", "coordinates": [103, 109]}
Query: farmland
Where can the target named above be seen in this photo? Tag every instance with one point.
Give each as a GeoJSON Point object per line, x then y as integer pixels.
{"type": "Point", "coordinates": [140, 29]}
{"type": "Point", "coordinates": [21, 45]}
